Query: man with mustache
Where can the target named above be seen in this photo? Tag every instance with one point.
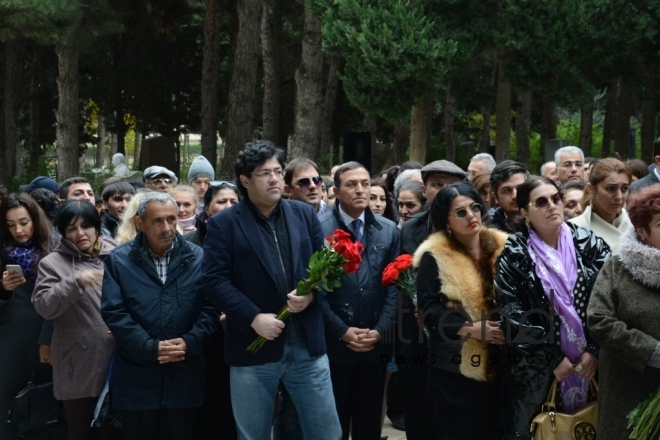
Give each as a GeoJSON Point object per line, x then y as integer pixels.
{"type": "Point", "coordinates": [504, 181]}
{"type": "Point", "coordinates": [155, 307]}
{"type": "Point", "coordinates": [360, 315]}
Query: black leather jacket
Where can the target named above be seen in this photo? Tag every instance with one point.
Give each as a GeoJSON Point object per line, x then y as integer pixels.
{"type": "Point", "coordinates": [535, 354]}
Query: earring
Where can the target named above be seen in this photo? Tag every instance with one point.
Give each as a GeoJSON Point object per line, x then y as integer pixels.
{"type": "Point", "coordinates": [448, 231]}
{"type": "Point", "coordinates": [528, 224]}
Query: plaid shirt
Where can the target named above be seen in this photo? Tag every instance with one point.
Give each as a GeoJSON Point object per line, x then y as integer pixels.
{"type": "Point", "coordinates": [162, 263]}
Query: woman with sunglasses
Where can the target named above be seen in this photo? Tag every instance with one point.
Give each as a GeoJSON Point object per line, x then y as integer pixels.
{"type": "Point", "coordinates": [604, 200]}
{"type": "Point", "coordinates": [456, 266]}
{"type": "Point", "coordinates": [543, 281]}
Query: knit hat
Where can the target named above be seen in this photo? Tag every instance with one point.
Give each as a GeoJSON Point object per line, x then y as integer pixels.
{"type": "Point", "coordinates": [200, 167]}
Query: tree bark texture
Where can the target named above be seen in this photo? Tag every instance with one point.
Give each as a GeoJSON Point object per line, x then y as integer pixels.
{"type": "Point", "coordinates": [35, 80]}
{"type": "Point", "coordinates": [626, 106]}
{"type": "Point", "coordinates": [68, 52]}
{"type": "Point", "coordinates": [242, 86]}
{"type": "Point", "coordinates": [14, 67]}
{"type": "Point", "coordinates": [100, 145]}
{"type": "Point", "coordinates": [448, 111]}
{"type": "Point", "coordinates": [211, 79]}
{"type": "Point", "coordinates": [419, 122]}
{"type": "Point", "coordinates": [137, 149]}
{"type": "Point", "coordinates": [309, 92]}
{"type": "Point", "coordinates": [649, 114]}
{"type": "Point", "coordinates": [523, 121]}
{"type": "Point", "coordinates": [113, 144]}
{"type": "Point", "coordinates": [484, 139]}
{"type": "Point", "coordinates": [401, 139]}
{"type": "Point", "coordinates": [548, 120]}
{"type": "Point", "coordinates": [503, 118]}
{"type": "Point", "coordinates": [610, 118]}
{"type": "Point", "coordinates": [271, 104]}
{"type": "Point", "coordinates": [586, 127]}
{"type": "Point", "coordinates": [328, 110]}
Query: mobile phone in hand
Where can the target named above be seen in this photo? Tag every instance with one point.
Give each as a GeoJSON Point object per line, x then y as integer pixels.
{"type": "Point", "coordinates": [15, 269]}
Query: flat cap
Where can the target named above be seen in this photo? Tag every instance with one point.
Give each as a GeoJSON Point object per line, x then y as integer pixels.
{"type": "Point", "coordinates": [442, 166]}
{"type": "Point", "coordinates": [156, 170]}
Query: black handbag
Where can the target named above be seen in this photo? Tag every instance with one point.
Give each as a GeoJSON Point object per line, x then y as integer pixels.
{"type": "Point", "coordinates": [35, 409]}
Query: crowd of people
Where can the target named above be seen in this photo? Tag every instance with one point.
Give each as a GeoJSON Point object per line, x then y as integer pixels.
{"type": "Point", "coordinates": [144, 298]}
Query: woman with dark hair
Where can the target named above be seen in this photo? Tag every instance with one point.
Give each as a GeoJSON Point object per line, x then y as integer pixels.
{"type": "Point", "coordinates": [68, 291]}
{"type": "Point", "coordinates": [411, 200]}
{"type": "Point", "coordinates": [604, 200]}
{"type": "Point", "coordinates": [380, 201]}
{"type": "Point", "coordinates": [26, 237]}
{"type": "Point", "coordinates": [48, 201]}
{"type": "Point", "coordinates": [550, 263]}
{"type": "Point", "coordinates": [638, 168]}
{"type": "Point", "coordinates": [624, 317]}
{"type": "Point", "coordinates": [216, 410]}
{"type": "Point", "coordinates": [456, 266]}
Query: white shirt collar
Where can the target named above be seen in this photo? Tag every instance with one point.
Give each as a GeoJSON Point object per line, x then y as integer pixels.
{"type": "Point", "coordinates": [347, 218]}
{"type": "Point", "coordinates": [655, 170]}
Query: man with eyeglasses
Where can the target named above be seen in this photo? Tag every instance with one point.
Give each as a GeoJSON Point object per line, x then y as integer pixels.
{"type": "Point", "coordinates": [254, 255]}
{"type": "Point", "coordinates": [159, 178]}
{"type": "Point", "coordinates": [569, 161]}
{"type": "Point", "coordinates": [303, 182]}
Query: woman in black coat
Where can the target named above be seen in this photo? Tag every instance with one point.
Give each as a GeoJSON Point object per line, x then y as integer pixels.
{"type": "Point", "coordinates": [551, 259]}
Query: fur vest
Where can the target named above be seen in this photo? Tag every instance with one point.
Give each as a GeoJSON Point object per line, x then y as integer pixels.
{"type": "Point", "coordinates": [468, 285]}
{"type": "Point", "coordinates": [640, 259]}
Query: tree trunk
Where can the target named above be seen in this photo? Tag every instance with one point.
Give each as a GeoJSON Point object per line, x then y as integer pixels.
{"type": "Point", "coordinates": [548, 121]}
{"type": "Point", "coordinates": [503, 118]}
{"type": "Point", "coordinates": [15, 60]}
{"type": "Point", "coordinates": [242, 86]}
{"type": "Point", "coordinates": [68, 52]}
{"type": "Point", "coordinates": [113, 144]}
{"type": "Point", "coordinates": [450, 144]}
{"type": "Point", "coordinates": [625, 111]}
{"type": "Point", "coordinates": [137, 149]}
{"type": "Point", "coordinates": [649, 113]}
{"type": "Point", "coordinates": [419, 121]}
{"type": "Point", "coordinates": [586, 126]}
{"type": "Point", "coordinates": [328, 110]}
{"type": "Point", "coordinates": [271, 104]}
{"type": "Point", "coordinates": [309, 91]}
{"type": "Point", "coordinates": [523, 121]}
{"type": "Point", "coordinates": [401, 139]}
{"type": "Point", "coordinates": [484, 139]}
{"type": "Point", "coordinates": [211, 79]}
{"type": "Point", "coordinates": [610, 118]}
{"type": "Point", "coordinates": [35, 80]}
{"type": "Point", "coordinates": [100, 145]}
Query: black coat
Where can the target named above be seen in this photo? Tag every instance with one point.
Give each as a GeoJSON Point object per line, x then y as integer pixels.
{"type": "Point", "coordinates": [648, 180]}
{"type": "Point", "coordinates": [519, 290]}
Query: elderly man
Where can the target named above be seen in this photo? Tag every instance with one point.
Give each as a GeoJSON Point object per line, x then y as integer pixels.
{"type": "Point", "coordinates": [360, 315]}
{"type": "Point", "coordinates": [159, 178]}
{"type": "Point", "coordinates": [303, 182]}
{"type": "Point", "coordinates": [154, 305]}
{"type": "Point", "coordinates": [480, 162]}
{"type": "Point", "coordinates": [569, 162]}
{"type": "Point", "coordinates": [549, 170]}
{"type": "Point", "coordinates": [254, 255]}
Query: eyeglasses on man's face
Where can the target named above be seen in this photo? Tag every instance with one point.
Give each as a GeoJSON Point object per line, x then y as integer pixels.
{"type": "Point", "coordinates": [263, 174]}
{"type": "Point", "coordinates": [543, 202]}
{"type": "Point", "coordinates": [307, 181]}
{"type": "Point", "coordinates": [162, 181]}
{"type": "Point", "coordinates": [462, 212]}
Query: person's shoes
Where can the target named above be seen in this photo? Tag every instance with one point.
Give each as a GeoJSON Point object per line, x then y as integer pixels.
{"type": "Point", "coordinates": [383, 437]}
{"type": "Point", "coordinates": [398, 422]}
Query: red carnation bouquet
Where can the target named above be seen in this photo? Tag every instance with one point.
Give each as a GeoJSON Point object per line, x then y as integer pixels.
{"type": "Point", "coordinates": [338, 257]}
{"type": "Point", "coordinates": [398, 272]}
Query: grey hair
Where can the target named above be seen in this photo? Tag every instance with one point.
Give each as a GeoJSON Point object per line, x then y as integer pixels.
{"type": "Point", "coordinates": [153, 197]}
{"type": "Point", "coordinates": [405, 177]}
{"type": "Point", "coordinates": [543, 167]}
{"type": "Point", "coordinates": [486, 159]}
{"type": "Point", "coordinates": [570, 150]}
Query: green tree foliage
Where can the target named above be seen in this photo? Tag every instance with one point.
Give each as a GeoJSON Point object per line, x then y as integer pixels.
{"type": "Point", "coordinates": [37, 20]}
{"type": "Point", "coordinates": [394, 52]}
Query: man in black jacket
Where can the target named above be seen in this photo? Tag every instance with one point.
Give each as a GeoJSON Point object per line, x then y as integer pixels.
{"type": "Point", "coordinates": [115, 199]}
{"type": "Point", "coordinates": [654, 176]}
{"type": "Point", "coordinates": [504, 181]}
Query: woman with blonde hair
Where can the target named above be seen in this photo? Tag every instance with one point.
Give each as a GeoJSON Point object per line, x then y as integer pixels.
{"type": "Point", "coordinates": [604, 200]}
{"type": "Point", "coordinates": [187, 206]}
{"type": "Point", "coordinates": [126, 231]}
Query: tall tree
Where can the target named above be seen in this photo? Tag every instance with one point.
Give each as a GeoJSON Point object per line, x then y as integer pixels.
{"type": "Point", "coordinates": [242, 86]}
{"type": "Point", "coordinates": [503, 118]}
{"type": "Point", "coordinates": [68, 52]}
{"type": "Point", "coordinates": [523, 121]}
{"type": "Point", "coordinates": [15, 54]}
{"type": "Point", "coordinates": [325, 150]}
{"type": "Point", "coordinates": [270, 52]}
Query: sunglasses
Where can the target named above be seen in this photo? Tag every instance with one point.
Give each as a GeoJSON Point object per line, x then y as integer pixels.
{"type": "Point", "coordinates": [543, 202]}
{"type": "Point", "coordinates": [217, 183]}
{"type": "Point", "coordinates": [161, 181]}
{"type": "Point", "coordinates": [462, 212]}
{"type": "Point", "coordinates": [304, 183]}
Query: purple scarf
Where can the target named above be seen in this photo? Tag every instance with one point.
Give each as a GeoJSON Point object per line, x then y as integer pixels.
{"type": "Point", "coordinates": [25, 255]}
{"type": "Point", "coordinates": [557, 269]}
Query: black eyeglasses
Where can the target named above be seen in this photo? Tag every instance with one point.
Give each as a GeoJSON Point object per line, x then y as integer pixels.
{"type": "Point", "coordinates": [161, 181]}
{"type": "Point", "coordinates": [543, 202]}
{"type": "Point", "coordinates": [462, 212]}
{"type": "Point", "coordinates": [217, 183]}
{"type": "Point", "coordinates": [304, 183]}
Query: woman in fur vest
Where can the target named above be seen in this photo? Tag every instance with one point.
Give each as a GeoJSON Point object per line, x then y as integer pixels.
{"type": "Point", "coordinates": [624, 317]}
{"type": "Point", "coordinates": [543, 282]}
{"type": "Point", "coordinates": [455, 296]}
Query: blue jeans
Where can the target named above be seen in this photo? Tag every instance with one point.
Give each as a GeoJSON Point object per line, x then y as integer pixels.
{"type": "Point", "coordinates": [307, 379]}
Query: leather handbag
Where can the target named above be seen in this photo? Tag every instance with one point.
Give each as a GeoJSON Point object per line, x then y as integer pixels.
{"type": "Point", "coordinates": [35, 409]}
{"type": "Point", "coordinates": [552, 425]}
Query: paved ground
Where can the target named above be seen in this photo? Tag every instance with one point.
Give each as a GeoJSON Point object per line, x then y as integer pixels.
{"type": "Point", "coordinates": [391, 433]}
